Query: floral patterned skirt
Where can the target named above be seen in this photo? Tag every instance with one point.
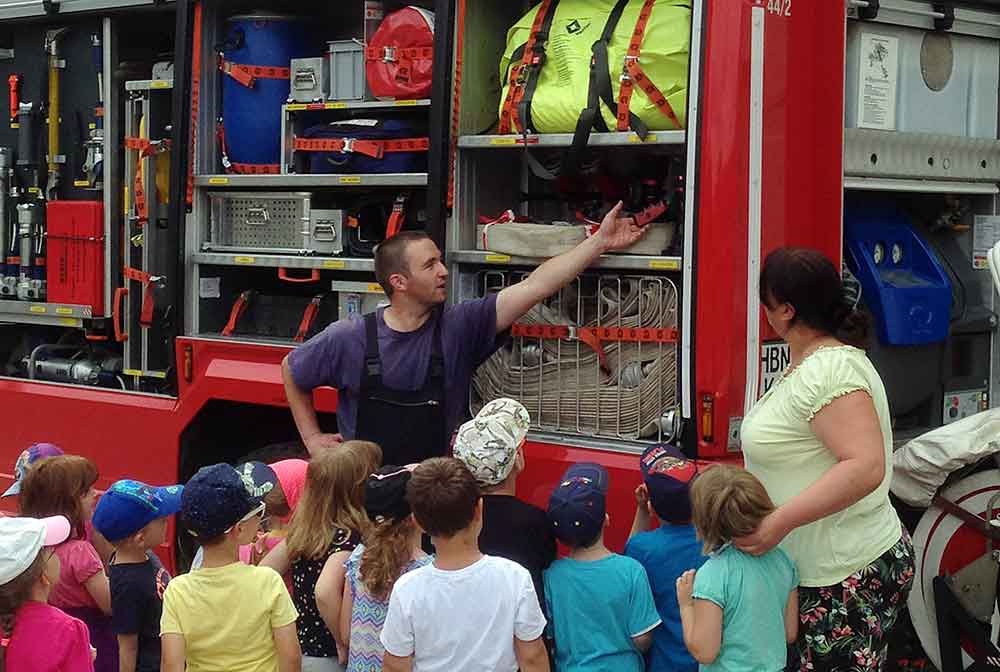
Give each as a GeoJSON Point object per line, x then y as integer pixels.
{"type": "Point", "coordinates": [845, 627]}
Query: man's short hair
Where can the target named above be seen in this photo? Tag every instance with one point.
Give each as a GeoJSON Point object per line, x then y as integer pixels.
{"type": "Point", "coordinates": [390, 257]}
{"type": "Point", "coordinates": [443, 494]}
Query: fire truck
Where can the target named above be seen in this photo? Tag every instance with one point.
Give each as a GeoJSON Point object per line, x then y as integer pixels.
{"type": "Point", "coordinates": [178, 215]}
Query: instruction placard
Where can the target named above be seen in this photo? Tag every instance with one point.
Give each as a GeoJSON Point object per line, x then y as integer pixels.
{"type": "Point", "coordinates": [985, 234]}
{"type": "Point", "coordinates": [878, 81]}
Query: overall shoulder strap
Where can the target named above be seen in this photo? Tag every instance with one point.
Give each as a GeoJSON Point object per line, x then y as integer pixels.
{"type": "Point", "coordinates": [373, 363]}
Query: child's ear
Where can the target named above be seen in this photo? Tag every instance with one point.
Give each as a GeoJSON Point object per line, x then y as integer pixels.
{"type": "Point", "coordinates": [607, 520]}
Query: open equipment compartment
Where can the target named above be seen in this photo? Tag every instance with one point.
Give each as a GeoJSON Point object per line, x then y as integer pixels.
{"type": "Point", "coordinates": [600, 361]}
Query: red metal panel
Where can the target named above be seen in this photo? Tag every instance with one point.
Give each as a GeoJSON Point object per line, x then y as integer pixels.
{"type": "Point", "coordinates": [132, 435]}
{"type": "Point", "coordinates": [801, 176]}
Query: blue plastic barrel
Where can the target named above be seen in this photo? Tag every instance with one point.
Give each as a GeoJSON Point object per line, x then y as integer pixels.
{"type": "Point", "coordinates": [252, 115]}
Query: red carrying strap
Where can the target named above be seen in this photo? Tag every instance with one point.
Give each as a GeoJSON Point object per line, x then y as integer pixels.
{"type": "Point", "coordinates": [116, 316]}
{"type": "Point", "coordinates": [518, 75]}
{"type": "Point", "coordinates": [376, 149]}
{"type": "Point", "coordinates": [145, 148]}
{"type": "Point", "coordinates": [633, 75]}
{"type": "Point", "coordinates": [241, 168]}
{"type": "Point", "coordinates": [398, 54]}
{"type": "Point", "coordinates": [595, 336]}
{"type": "Point", "coordinates": [148, 299]}
{"type": "Point", "coordinates": [398, 216]}
{"type": "Point", "coordinates": [195, 96]}
{"type": "Point", "coordinates": [308, 317]}
{"type": "Point", "coordinates": [239, 307]}
{"type": "Point", "coordinates": [247, 75]}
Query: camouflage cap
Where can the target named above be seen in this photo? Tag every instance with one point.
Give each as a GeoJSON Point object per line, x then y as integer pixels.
{"type": "Point", "coordinates": [488, 443]}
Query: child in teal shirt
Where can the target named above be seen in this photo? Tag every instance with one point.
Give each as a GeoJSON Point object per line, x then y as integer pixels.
{"type": "Point", "coordinates": [738, 611]}
{"type": "Point", "coordinates": [601, 610]}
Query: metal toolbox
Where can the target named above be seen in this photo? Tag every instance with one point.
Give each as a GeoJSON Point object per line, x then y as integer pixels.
{"type": "Point", "coordinates": [310, 80]}
{"type": "Point", "coordinates": [358, 298]}
{"type": "Point", "coordinates": [273, 222]}
{"type": "Point", "coordinates": [347, 70]}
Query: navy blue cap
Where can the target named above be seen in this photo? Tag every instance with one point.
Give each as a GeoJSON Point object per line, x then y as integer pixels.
{"type": "Point", "coordinates": [668, 473]}
{"type": "Point", "coordinates": [259, 478]}
{"type": "Point", "coordinates": [216, 498]}
{"type": "Point", "coordinates": [128, 506]}
{"type": "Point", "coordinates": [577, 505]}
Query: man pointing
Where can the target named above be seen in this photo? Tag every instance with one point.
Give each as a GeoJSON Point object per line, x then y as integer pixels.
{"type": "Point", "coordinates": [403, 372]}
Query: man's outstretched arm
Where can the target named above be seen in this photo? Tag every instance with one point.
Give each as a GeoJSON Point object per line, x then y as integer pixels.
{"type": "Point", "coordinates": [615, 233]}
{"type": "Point", "coordinates": [304, 413]}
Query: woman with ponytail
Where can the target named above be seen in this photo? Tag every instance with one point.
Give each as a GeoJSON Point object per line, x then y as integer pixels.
{"type": "Point", "coordinates": [36, 636]}
{"type": "Point", "coordinates": [391, 549]}
{"type": "Point", "coordinates": [820, 440]}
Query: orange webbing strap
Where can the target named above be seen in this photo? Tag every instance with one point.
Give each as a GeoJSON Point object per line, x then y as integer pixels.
{"type": "Point", "coordinates": [255, 168]}
{"type": "Point", "coordinates": [145, 148]}
{"type": "Point", "coordinates": [195, 96]}
{"type": "Point", "coordinates": [595, 336]}
{"type": "Point", "coordinates": [456, 97]}
{"type": "Point", "coordinates": [248, 74]}
{"type": "Point", "coordinates": [308, 317]}
{"type": "Point", "coordinates": [373, 148]}
{"type": "Point", "coordinates": [649, 213]}
{"type": "Point", "coordinates": [509, 118]}
{"type": "Point", "coordinates": [633, 75]}
{"type": "Point", "coordinates": [395, 223]}
{"type": "Point", "coordinates": [141, 206]}
{"type": "Point", "coordinates": [239, 307]}
{"type": "Point", "coordinates": [148, 300]}
{"type": "Point", "coordinates": [398, 54]}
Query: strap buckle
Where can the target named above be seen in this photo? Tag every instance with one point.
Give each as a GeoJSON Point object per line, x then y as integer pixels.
{"type": "Point", "coordinates": [349, 143]}
{"type": "Point", "coordinates": [389, 55]}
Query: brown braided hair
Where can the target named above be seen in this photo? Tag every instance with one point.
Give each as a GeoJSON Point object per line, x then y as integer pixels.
{"type": "Point", "coordinates": [13, 594]}
{"type": "Point", "coordinates": [387, 551]}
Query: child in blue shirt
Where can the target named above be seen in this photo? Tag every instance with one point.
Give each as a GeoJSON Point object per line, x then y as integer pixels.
{"type": "Point", "coordinates": [599, 603]}
{"type": "Point", "coordinates": [667, 551]}
{"type": "Point", "coordinates": [739, 611]}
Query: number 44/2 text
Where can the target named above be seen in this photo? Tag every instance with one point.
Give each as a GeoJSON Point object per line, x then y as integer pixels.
{"type": "Point", "coordinates": [779, 7]}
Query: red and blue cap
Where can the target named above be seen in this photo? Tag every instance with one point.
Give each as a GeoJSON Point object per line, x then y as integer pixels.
{"type": "Point", "coordinates": [27, 458]}
{"type": "Point", "coordinates": [668, 473]}
{"type": "Point", "coordinates": [578, 504]}
{"type": "Point", "coordinates": [128, 506]}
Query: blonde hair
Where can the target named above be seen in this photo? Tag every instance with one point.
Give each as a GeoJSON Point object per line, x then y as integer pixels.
{"type": "Point", "coordinates": [369, 452]}
{"type": "Point", "coordinates": [388, 550]}
{"type": "Point", "coordinates": [727, 502]}
{"type": "Point", "coordinates": [332, 503]}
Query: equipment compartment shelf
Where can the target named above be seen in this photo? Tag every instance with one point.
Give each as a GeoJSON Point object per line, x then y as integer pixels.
{"type": "Point", "coordinates": [47, 314]}
{"type": "Point", "coordinates": [149, 84]}
{"type": "Point", "coordinates": [616, 139]}
{"type": "Point", "coordinates": [283, 261]}
{"type": "Point", "coordinates": [298, 181]}
{"type": "Point", "coordinates": [631, 262]}
{"type": "Point", "coordinates": [354, 105]}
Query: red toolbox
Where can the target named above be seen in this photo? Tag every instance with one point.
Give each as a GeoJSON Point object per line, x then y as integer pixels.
{"type": "Point", "coordinates": [75, 253]}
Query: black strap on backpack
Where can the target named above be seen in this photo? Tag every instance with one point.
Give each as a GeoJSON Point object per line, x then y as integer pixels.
{"type": "Point", "coordinates": [599, 90]}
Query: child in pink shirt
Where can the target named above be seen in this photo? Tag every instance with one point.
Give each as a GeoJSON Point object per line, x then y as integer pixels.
{"type": "Point", "coordinates": [64, 485]}
{"type": "Point", "coordinates": [43, 638]}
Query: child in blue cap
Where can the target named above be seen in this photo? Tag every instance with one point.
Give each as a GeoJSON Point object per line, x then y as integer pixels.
{"type": "Point", "coordinates": [227, 615]}
{"type": "Point", "coordinates": [600, 607]}
{"type": "Point", "coordinates": [668, 550]}
{"type": "Point", "coordinates": [133, 517]}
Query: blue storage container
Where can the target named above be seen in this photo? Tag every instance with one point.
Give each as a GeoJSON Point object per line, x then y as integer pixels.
{"type": "Point", "coordinates": [251, 115]}
{"type": "Point", "coordinates": [378, 130]}
{"type": "Point", "coordinates": [903, 284]}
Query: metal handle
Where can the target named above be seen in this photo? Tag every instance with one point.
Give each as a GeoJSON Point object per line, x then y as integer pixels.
{"type": "Point", "coordinates": [257, 216]}
{"type": "Point", "coordinates": [120, 294]}
{"type": "Point", "coordinates": [902, 10]}
{"type": "Point", "coordinates": [324, 233]}
{"type": "Point", "coordinates": [285, 277]}
{"type": "Point", "coordinates": [305, 79]}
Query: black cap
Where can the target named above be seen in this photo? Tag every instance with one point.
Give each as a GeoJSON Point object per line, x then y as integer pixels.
{"type": "Point", "coordinates": [385, 493]}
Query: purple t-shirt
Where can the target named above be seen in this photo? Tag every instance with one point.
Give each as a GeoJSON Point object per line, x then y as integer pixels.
{"type": "Point", "coordinates": [336, 357]}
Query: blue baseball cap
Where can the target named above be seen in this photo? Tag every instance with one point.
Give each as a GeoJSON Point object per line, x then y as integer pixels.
{"type": "Point", "coordinates": [668, 474]}
{"type": "Point", "coordinates": [219, 496]}
{"type": "Point", "coordinates": [27, 458]}
{"type": "Point", "coordinates": [577, 505]}
{"type": "Point", "coordinates": [128, 506]}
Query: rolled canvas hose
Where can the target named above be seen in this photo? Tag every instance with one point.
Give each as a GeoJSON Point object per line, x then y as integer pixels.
{"type": "Point", "coordinates": [568, 391]}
